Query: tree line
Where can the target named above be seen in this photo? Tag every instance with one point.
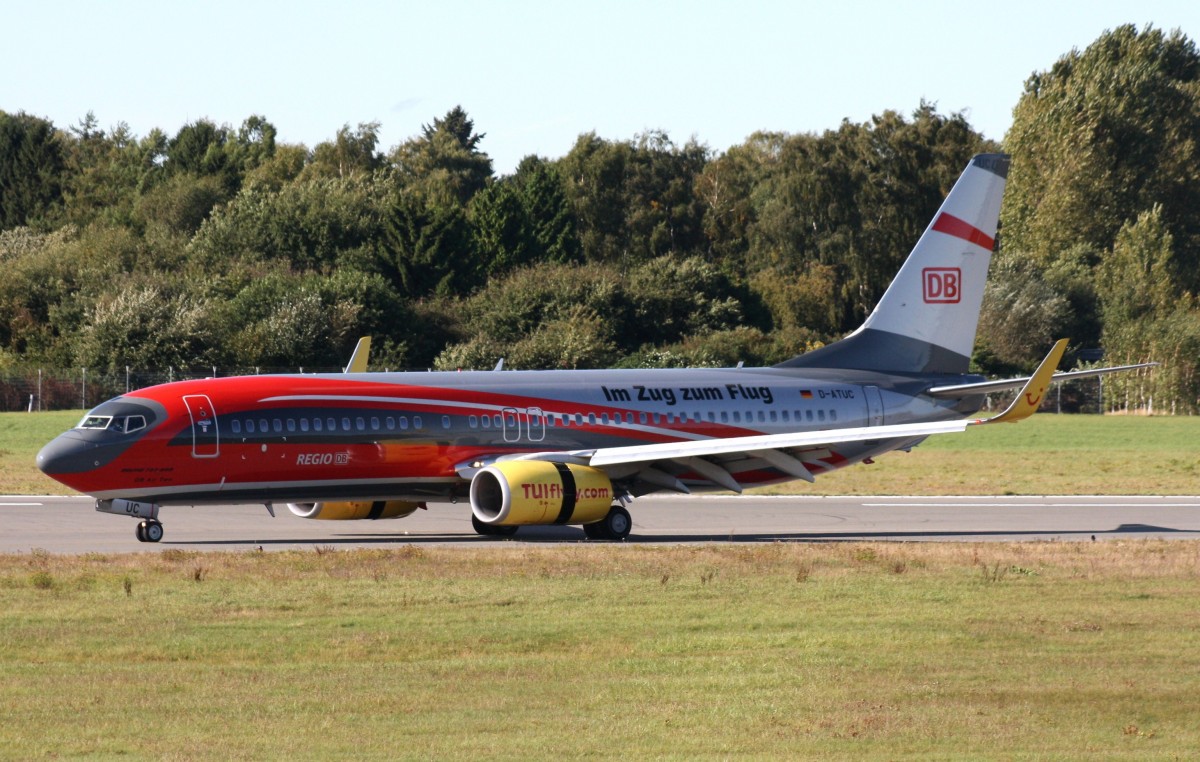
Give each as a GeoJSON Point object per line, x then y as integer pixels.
{"type": "Point", "coordinates": [224, 246]}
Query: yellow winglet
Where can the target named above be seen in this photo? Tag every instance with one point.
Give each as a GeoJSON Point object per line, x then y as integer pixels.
{"type": "Point", "coordinates": [358, 360]}
{"type": "Point", "coordinates": [1030, 396]}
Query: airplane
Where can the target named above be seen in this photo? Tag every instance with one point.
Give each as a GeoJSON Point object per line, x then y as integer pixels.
{"type": "Point", "coordinates": [566, 446]}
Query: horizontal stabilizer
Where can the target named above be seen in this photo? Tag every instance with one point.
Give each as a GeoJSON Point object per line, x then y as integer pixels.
{"type": "Point", "coordinates": [958, 391]}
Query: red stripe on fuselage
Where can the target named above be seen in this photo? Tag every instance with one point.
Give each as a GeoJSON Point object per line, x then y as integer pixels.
{"type": "Point", "coordinates": [951, 225]}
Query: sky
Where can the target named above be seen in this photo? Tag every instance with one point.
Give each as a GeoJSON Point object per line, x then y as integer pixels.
{"type": "Point", "coordinates": [536, 74]}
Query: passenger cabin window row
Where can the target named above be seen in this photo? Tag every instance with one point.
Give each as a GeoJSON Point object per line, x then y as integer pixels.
{"type": "Point", "coordinates": [330, 424]}
{"type": "Point", "coordinates": [697, 416]}
{"type": "Point", "coordinates": [392, 423]}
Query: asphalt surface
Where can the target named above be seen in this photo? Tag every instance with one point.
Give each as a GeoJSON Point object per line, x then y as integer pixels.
{"type": "Point", "coordinates": [71, 525]}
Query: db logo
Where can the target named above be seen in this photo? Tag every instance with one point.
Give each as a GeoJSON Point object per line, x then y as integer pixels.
{"type": "Point", "coordinates": [941, 285]}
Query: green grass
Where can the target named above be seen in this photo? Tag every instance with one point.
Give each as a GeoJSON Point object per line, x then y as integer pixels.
{"type": "Point", "coordinates": [1046, 650]}
{"type": "Point", "coordinates": [1045, 455]}
{"type": "Point", "coordinates": [21, 436]}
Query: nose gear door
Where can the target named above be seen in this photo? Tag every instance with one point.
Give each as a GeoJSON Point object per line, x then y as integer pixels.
{"type": "Point", "coordinates": [206, 439]}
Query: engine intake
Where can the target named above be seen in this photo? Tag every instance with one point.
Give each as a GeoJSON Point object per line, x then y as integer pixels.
{"type": "Point", "coordinates": [518, 492]}
{"type": "Point", "coordinates": [353, 510]}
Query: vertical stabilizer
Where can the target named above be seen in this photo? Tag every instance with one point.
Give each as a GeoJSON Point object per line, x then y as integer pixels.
{"type": "Point", "coordinates": [925, 322]}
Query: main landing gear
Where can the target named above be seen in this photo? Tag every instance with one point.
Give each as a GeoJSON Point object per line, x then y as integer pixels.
{"type": "Point", "coordinates": [615, 526]}
{"type": "Point", "coordinates": [149, 530]}
{"type": "Point", "coordinates": [492, 530]}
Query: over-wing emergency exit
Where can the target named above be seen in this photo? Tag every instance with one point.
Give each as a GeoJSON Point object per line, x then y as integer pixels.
{"type": "Point", "coordinates": [565, 447]}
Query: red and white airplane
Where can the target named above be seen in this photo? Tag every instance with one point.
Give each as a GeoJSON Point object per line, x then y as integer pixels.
{"type": "Point", "coordinates": [565, 447]}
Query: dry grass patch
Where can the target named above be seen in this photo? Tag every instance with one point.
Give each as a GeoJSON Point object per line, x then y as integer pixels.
{"type": "Point", "coordinates": [801, 650]}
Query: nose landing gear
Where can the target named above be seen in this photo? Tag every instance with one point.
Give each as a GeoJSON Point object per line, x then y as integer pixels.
{"type": "Point", "coordinates": [149, 530]}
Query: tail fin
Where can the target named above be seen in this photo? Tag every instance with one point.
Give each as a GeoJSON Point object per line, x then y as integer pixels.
{"type": "Point", "coordinates": [925, 322]}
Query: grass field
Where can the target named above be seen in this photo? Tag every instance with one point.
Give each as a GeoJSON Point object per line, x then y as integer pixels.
{"type": "Point", "coordinates": [1045, 455]}
{"type": "Point", "coordinates": [884, 651]}
{"type": "Point", "coordinates": [863, 650]}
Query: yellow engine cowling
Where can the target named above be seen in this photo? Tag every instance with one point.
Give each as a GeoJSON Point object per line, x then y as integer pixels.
{"type": "Point", "coordinates": [517, 492]}
{"type": "Point", "coordinates": [353, 510]}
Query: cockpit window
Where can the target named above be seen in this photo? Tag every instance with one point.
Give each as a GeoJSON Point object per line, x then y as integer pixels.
{"type": "Point", "coordinates": [119, 423]}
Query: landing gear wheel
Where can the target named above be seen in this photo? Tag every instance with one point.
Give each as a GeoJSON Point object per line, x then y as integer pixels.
{"type": "Point", "coordinates": [594, 531]}
{"type": "Point", "coordinates": [153, 531]}
{"type": "Point", "coordinates": [141, 531]}
{"type": "Point", "coordinates": [618, 523]}
{"type": "Point", "coordinates": [614, 526]}
{"type": "Point", "coordinates": [491, 530]}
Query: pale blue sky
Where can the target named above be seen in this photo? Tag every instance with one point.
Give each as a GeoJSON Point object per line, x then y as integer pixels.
{"type": "Point", "coordinates": [535, 74]}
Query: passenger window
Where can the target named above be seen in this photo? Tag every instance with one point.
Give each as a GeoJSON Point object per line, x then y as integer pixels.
{"type": "Point", "coordinates": [304, 424]}
{"type": "Point", "coordinates": [604, 418]}
{"type": "Point", "coordinates": [641, 417]}
{"type": "Point", "coordinates": [278, 426]}
{"type": "Point", "coordinates": [345, 424]}
{"type": "Point", "coordinates": [821, 416]}
{"type": "Point", "coordinates": [374, 423]}
{"type": "Point", "coordinates": [262, 425]}
{"type": "Point", "coordinates": [236, 426]}
{"type": "Point", "coordinates": [390, 423]}
{"type": "Point", "coordinates": [317, 424]}
{"type": "Point", "coordinates": [417, 424]}
{"type": "Point", "coordinates": [362, 424]}
{"type": "Point", "coordinates": [808, 415]}
{"type": "Point", "coordinates": [445, 421]}
{"type": "Point", "coordinates": [331, 424]}
{"type": "Point", "coordinates": [487, 421]}
{"type": "Point", "coordinates": [473, 421]}
{"type": "Point", "coordinates": [404, 422]}
{"type": "Point", "coordinates": [291, 425]}
{"type": "Point", "coordinates": [249, 425]}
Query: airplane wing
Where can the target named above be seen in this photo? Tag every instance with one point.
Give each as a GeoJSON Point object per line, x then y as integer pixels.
{"type": "Point", "coordinates": [718, 460]}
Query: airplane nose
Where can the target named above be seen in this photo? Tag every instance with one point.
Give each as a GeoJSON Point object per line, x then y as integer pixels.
{"type": "Point", "coordinates": [68, 454]}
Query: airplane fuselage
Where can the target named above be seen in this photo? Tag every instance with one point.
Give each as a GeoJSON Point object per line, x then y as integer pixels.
{"type": "Point", "coordinates": [256, 439]}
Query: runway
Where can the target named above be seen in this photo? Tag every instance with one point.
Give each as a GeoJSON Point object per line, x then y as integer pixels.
{"type": "Point", "coordinates": [70, 525]}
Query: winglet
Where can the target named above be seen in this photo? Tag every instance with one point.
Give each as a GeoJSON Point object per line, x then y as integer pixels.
{"type": "Point", "coordinates": [358, 360]}
{"type": "Point", "coordinates": [1030, 396]}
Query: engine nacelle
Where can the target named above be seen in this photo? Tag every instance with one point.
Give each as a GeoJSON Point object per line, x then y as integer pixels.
{"type": "Point", "coordinates": [517, 492]}
{"type": "Point", "coordinates": [353, 510]}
